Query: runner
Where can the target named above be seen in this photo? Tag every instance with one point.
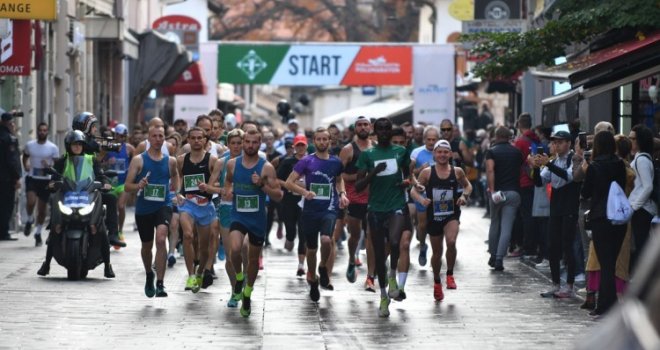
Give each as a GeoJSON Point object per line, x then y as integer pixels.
{"type": "Point", "coordinates": [290, 209]}
{"type": "Point", "coordinates": [38, 155]}
{"type": "Point", "coordinates": [380, 168]}
{"type": "Point", "coordinates": [235, 144]}
{"type": "Point", "coordinates": [196, 211]}
{"type": "Point", "coordinates": [156, 172]}
{"type": "Point", "coordinates": [173, 236]}
{"type": "Point", "coordinates": [119, 162]}
{"type": "Point", "coordinates": [324, 194]}
{"type": "Point", "coordinates": [420, 159]}
{"type": "Point", "coordinates": [249, 179]}
{"type": "Point", "coordinates": [357, 208]}
{"type": "Point", "coordinates": [438, 192]}
{"type": "Point", "coordinates": [144, 146]}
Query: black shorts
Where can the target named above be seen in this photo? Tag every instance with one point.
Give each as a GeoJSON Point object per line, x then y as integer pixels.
{"type": "Point", "coordinates": [407, 222]}
{"type": "Point", "coordinates": [39, 186]}
{"type": "Point", "coordinates": [357, 210]}
{"type": "Point", "coordinates": [379, 221]}
{"type": "Point", "coordinates": [437, 228]}
{"type": "Point", "coordinates": [254, 239]}
{"type": "Point", "coordinates": [310, 227]}
{"type": "Point", "coordinates": [147, 223]}
{"type": "Point", "coordinates": [341, 214]}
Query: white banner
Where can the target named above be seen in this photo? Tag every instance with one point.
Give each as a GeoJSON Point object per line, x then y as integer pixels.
{"type": "Point", "coordinates": [315, 65]}
{"type": "Point", "coordinates": [434, 83]}
{"type": "Point", "coordinates": [188, 107]}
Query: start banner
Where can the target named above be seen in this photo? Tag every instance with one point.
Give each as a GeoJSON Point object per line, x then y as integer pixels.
{"type": "Point", "coordinates": [314, 64]}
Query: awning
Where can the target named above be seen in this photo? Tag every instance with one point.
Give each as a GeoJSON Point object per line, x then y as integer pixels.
{"type": "Point", "coordinates": [603, 66]}
{"type": "Point", "coordinates": [376, 110]}
{"type": "Point", "coordinates": [190, 82]}
{"type": "Point", "coordinates": [112, 29]}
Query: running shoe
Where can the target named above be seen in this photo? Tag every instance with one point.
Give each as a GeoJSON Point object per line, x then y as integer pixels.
{"type": "Point", "coordinates": [149, 288]}
{"type": "Point", "coordinates": [246, 308]}
{"type": "Point", "coordinates": [437, 292]}
{"type": "Point", "coordinates": [38, 242]}
{"type": "Point", "coordinates": [564, 293]}
{"type": "Point", "coordinates": [233, 300]}
{"type": "Point", "coordinates": [451, 284]}
{"type": "Point", "coordinates": [207, 280]}
{"type": "Point", "coordinates": [543, 265]}
{"type": "Point", "coordinates": [401, 296]}
{"type": "Point", "coordinates": [422, 254]}
{"type": "Point", "coordinates": [393, 288]}
{"type": "Point", "coordinates": [171, 260]}
{"type": "Point", "coordinates": [198, 283]}
{"type": "Point", "coordinates": [550, 293]}
{"type": "Point", "coordinates": [351, 274]}
{"type": "Point", "coordinates": [27, 229]}
{"type": "Point", "coordinates": [300, 272]}
{"type": "Point", "coordinates": [314, 292]}
{"type": "Point", "coordinates": [191, 283]}
{"type": "Point", "coordinates": [160, 291]}
{"type": "Point", "coordinates": [324, 279]}
{"type": "Point", "coordinates": [384, 309]}
{"type": "Point", "coordinates": [221, 252]}
{"type": "Point", "coordinates": [369, 284]}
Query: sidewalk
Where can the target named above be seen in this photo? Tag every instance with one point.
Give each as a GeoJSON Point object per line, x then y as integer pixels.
{"type": "Point", "coordinates": [489, 310]}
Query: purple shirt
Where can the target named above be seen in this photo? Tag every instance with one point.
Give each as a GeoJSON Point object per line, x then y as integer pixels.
{"type": "Point", "coordinates": [320, 176]}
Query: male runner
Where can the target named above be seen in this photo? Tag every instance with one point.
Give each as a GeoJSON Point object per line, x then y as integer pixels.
{"type": "Point", "coordinates": [38, 155]}
{"type": "Point", "coordinates": [153, 206]}
{"type": "Point", "coordinates": [249, 180]}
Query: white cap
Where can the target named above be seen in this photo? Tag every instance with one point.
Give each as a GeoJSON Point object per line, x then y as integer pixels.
{"type": "Point", "coordinates": [442, 144]}
{"type": "Point", "coordinates": [230, 121]}
{"type": "Point", "coordinates": [293, 121]}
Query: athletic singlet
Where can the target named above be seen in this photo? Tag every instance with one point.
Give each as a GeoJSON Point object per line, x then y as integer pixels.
{"type": "Point", "coordinates": [121, 164]}
{"type": "Point", "coordinates": [156, 194]}
{"type": "Point", "coordinates": [353, 196]}
{"type": "Point", "coordinates": [214, 149]}
{"type": "Point", "coordinates": [163, 148]}
{"type": "Point", "coordinates": [223, 175]}
{"type": "Point", "coordinates": [443, 194]}
{"type": "Point", "coordinates": [249, 202]}
{"type": "Point", "coordinates": [193, 174]}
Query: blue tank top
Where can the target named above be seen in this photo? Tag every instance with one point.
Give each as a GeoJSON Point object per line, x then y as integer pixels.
{"type": "Point", "coordinates": [249, 203]}
{"type": "Point", "coordinates": [157, 194]}
{"type": "Point", "coordinates": [122, 162]}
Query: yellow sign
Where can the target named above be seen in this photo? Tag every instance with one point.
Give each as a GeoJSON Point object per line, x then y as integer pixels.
{"type": "Point", "coordinates": [462, 10]}
{"type": "Point", "coordinates": [29, 9]}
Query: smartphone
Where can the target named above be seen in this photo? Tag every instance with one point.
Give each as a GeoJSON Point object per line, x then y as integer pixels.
{"type": "Point", "coordinates": [582, 138]}
{"type": "Point", "coordinates": [540, 150]}
{"type": "Point", "coordinates": [587, 156]}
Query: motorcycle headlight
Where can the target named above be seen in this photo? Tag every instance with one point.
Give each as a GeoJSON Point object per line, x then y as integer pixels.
{"type": "Point", "coordinates": [86, 209]}
{"type": "Point", "coordinates": [64, 209]}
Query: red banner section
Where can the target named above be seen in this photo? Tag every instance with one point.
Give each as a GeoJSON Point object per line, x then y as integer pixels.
{"type": "Point", "coordinates": [380, 65]}
{"type": "Point", "coordinates": [190, 82]}
{"type": "Point", "coordinates": [15, 53]}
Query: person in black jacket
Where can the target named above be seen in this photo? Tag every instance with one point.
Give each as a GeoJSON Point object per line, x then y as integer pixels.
{"type": "Point", "coordinates": [607, 238]}
{"type": "Point", "coordinates": [10, 172]}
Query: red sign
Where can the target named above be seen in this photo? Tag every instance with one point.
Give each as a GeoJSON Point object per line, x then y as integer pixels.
{"type": "Point", "coordinates": [190, 82]}
{"type": "Point", "coordinates": [380, 65]}
{"type": "Point", "coordinates": [177, 23]}
{"type": "Point", "coordinates": [15, 53]}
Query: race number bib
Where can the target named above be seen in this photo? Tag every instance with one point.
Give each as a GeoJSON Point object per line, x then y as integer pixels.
{"type": "Point", "coordinates": [191, 182]}
{"type": "Point", "coordinates": [155, 193]}
{"type": "Point", "coordinates": [322, 190]}
{"type": "Point", "coordinates": [247, 204]}
{"type": "Point", "coordinates": [443, 203]}
{"type": "Point", "coordinates": [391, 166]}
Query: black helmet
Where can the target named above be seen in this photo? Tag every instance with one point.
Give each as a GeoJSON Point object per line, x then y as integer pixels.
{"type": "Point", "coordinates": [84, 122]}
{"type": "Point", "coordinates": [72, 137]}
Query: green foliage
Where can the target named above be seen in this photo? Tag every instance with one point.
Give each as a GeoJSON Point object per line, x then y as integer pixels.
{"type": "Point", "coordinates": [573, 21]}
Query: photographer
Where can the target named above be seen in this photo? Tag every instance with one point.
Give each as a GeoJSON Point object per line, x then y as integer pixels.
{"type": "Point", "coordinates": [88, 124]}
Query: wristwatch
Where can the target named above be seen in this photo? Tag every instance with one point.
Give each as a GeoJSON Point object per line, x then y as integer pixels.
{"type": "Point", "coordinates": [342, 192]}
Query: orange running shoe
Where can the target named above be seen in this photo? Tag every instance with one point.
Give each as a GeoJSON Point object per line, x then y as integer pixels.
{"type": "Point", "coordinates": [451, 284]}
{"type": "Point", "coordinates": [369, 284]}
{"type": "Point", "coordinates": [437, 292]}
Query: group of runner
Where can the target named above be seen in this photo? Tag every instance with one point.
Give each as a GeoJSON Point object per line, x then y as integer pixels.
{"type": "Point", "coordinates": [376, 185]}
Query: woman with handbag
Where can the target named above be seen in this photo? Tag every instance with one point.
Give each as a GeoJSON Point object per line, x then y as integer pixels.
{"type": "Point", "coordinates": [604, 168]}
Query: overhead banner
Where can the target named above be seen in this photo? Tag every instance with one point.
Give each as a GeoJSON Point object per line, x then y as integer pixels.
{"type": "Point", "coordinates": [314, 65]}
{"type": "Point", "coordinates": [29, 9]}
{"type": "Point", "coordinates": [15, 52]}
{"type": "Point", "coordinates": [433, 83]}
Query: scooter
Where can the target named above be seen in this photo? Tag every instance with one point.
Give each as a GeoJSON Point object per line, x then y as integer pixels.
{"type": "Point", "coordinates": [77, 246]}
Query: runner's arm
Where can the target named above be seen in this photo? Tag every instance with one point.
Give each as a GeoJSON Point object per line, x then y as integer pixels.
{"type": "Point", "coordinates": [174, 174]}
{"type": "Point", "coordinates": [142, 146]}
{"type": "Point", "coordinates": [292, 185]}
{"type": "Point", "coordinates": [462, 179]}
{"type": "Point", "coordinates": [25, 159]}
{"type": "Point", "coordinates": [422, 180]}
{"type": "Point", "coordinates": [345, 155]}
{"type": "Point", "coordinates": [133, 169]}
{"type": "Point", "coordinates": [215, 175]}
{"type": "Point", "coordinates": [229, 180]}
{"type": "Point", "coordinates": [270, 184]}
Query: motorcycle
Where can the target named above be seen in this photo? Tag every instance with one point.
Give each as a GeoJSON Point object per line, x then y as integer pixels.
{"type": "Point", "coordinates": [76, 246]}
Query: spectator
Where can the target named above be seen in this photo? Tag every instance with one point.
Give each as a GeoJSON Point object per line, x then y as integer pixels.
{"type": "Point", "coordinates": [485, 118]}
{"type": "Point", "coordinates": [10, 172]}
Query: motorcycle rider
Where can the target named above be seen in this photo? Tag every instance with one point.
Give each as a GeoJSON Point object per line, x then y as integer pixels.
{"type": "Point", "coordinates": [74, 142]}
{"type": "Point", "coordinates": [88, 124]}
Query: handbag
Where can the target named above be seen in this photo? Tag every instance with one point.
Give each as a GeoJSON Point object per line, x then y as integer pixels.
{"type": "Point", "coordinates": [619, 210]}
{"type": "Point", "coordinates": [541, 202]}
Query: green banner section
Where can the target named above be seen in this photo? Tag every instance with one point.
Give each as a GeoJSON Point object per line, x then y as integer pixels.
{"type": "Point", "coordinates": [243, 64]}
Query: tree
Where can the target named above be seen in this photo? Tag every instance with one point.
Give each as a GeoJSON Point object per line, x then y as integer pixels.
{"type": "Point", "coordinates": [319, 20]}
{"type": "Point", "coordinates": [504, 55]}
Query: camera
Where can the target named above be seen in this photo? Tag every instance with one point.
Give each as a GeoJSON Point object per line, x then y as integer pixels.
{"type": "Point", "coordinates": [107, 144]}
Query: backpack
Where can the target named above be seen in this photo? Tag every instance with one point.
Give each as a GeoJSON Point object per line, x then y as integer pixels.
{"type": "Point", "coordinates": [655, 195]}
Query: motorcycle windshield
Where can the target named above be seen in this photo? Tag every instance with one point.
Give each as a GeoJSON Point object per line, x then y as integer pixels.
{"type": "Point", "coordinates": [76, 199]}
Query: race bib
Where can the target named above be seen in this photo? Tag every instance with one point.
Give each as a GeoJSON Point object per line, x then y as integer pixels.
{"type": "Point", "coordinates": [443, 202]}
{"type": "Point", "coordinates": [191, 182]}
{"type": "Point", "coordinates": [155, 193]}
{"type": "Point", "coordinates": [391, 166]}
{"type": "Point", "coordinates": [247, 204]}
{"type": "Point", "coordinates": [322, 190]}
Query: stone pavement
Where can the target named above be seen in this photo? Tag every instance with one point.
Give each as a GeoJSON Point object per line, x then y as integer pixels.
{"type": "Point", "coordinates": [489, 310]}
